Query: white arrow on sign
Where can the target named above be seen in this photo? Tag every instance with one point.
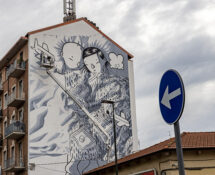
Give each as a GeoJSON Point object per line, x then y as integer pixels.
{"type": "Point", "coordinates": [169, 96]}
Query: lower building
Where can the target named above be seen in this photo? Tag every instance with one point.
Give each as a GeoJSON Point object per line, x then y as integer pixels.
{"type": "Point", "coordinates": [161, 159]}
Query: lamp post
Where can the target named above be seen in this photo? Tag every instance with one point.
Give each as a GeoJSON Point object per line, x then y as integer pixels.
{"type": "Point", "coordinates": [114, 133]}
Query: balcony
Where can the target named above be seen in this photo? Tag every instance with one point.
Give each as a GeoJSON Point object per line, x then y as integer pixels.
{"type": "Point", "coordinates": [1, 114]}
{"type": "Point", "coordinates": [14, 165]}
{"type": "Point", "coordinates": [15, 130]}
{"type": "Point", "coordinates": [1, 88]}
{"type": "Point", "coordinates": [15, 101]}
{"type": "Point", "coordinates": [16, 70]}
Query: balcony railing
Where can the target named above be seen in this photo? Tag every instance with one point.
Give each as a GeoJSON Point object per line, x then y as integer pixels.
{"type": "Point", "coordinates": [1, 88]}
{"type": "Point", "coordinates": [16, 69]}
{"type": "Point", "coordinates": [15, 130]}
{"type": "Point", "coordinates": [14, 165]}
{"type": "Point", "coordinates": [16, 101]}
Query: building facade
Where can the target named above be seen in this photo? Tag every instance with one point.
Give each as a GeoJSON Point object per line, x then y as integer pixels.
{"type": "Point", "coordinates": [14, 109]}
{"type": "Point", "coordinates": [55, 82]}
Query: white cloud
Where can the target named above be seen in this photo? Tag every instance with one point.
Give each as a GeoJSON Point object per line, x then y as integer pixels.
{"type": "Point", "coordinates": [116, 61]}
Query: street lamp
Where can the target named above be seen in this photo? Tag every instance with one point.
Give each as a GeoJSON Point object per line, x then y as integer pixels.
{"type": "Point", "coordinates": [114, 133]}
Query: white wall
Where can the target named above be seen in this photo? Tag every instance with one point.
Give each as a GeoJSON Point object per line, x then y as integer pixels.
{"type": "Point", "coordinates": [70, 130]}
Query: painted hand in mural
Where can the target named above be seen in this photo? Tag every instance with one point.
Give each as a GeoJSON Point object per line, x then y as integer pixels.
{"type": "Point", "coordinates": [47, 59]}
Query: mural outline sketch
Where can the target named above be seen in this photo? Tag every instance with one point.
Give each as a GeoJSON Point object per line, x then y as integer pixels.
{"type": "Point", "coordinates": [83, 76]}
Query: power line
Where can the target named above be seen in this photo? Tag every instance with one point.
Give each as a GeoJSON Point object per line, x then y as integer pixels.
{"type": "Point", "coordinates": [52, 169]}
{"type": "Point", "coordinates": [51, 163]}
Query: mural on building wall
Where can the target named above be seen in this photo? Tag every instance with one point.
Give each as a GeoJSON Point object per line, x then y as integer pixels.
{"type": "Point", "coordinates": [68, 121]}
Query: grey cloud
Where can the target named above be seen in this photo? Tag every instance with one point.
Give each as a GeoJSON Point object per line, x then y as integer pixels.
{"type": "Point", "coordinates": [195, 5]}
{"type": "Point", "coordinates": [194, 52]}
{"type": "Point", "coordinates": [21, 16]}
{"type": "Point", "coordinates": [194, 59]}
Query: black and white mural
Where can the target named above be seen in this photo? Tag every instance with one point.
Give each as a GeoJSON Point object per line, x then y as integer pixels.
{"type": "Point", "coordinates": [70, 128]}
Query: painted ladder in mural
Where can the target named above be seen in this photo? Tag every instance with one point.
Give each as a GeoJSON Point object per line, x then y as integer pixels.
{"type": "Point", "coordinates": [96, 123]}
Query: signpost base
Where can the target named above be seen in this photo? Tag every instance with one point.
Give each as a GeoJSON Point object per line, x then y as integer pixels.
{"type": "Point", "coordinates": [179, 148]}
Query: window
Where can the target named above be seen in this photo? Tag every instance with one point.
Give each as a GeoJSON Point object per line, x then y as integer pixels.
{"type": "Point", "coordinates": [20, 88]}
{"type": "Point", "coordinates": [21, 114]}
{"type": "Point", "coordinates": [13, 93]}
{"type": "Point", "coordinates": [5, 159]}
{"type": "Point", "coordinates": [5, 126]}
{"type": "Point", "coordinates": [14, 89]}
{"type": "Point", "coordinates": [20, 154]}
{"type": "Point", "coordinates": [13, 119]}
{"type": "Point", "coordinates": [0, 79]}
{"type": "Point", "coordinates": [0, 104]}
{"type": "Point", "coordinates": [7, 72]}
{"type": "Point", "coordinates": [5, 100]}
{"type": "Point", "coordinates": [13, 153]}
{"type": "Point", "coordinates": [20, 60]}
{"type": "Point", "coordinates": [21, 56]}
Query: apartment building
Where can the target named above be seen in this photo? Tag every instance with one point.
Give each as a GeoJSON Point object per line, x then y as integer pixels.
{"type": "Point", "coordinates": [54, 82]}
{"type": "Point", "coordinates": [14, 109]}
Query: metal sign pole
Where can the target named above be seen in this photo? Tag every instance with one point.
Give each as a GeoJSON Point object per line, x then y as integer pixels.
{"type": "Point", "coordinates": [171, 100]}
{"type": "Point", "coordinates": [179, 149]}
{"type": "Point", "coordinates": [115, 146]}
{"type": "Point", "coordinates": [114, 134]}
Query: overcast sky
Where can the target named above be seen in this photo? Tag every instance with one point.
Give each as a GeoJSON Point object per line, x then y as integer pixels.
{"type": "Point", "coordinates": [161, 34]}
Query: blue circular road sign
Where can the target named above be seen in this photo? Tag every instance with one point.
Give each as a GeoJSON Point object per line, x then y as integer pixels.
{"type": "Point", "coordinates": [171, 96]}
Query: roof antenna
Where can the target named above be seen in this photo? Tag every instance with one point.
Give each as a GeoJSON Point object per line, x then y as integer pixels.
{"type": "Point", "coordinates": [69, 8]}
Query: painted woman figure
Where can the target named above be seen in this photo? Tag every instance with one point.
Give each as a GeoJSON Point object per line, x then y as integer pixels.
{"type": "Point", "coordinates": [96, 64]}
{"type": "Point", "coordinates": [106, 86]}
